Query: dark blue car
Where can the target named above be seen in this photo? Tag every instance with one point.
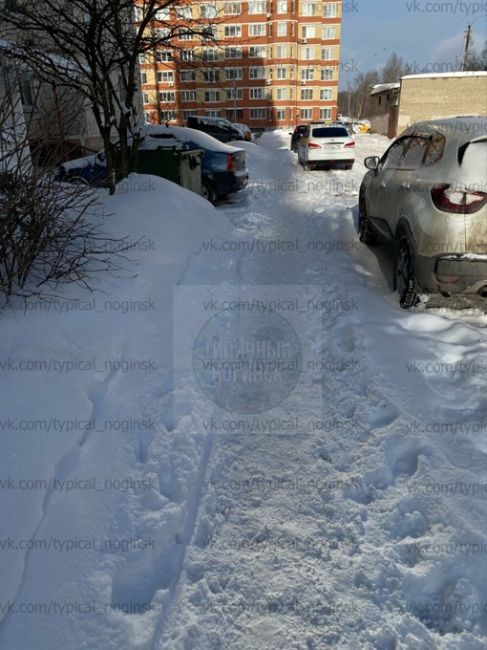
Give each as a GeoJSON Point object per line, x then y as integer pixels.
{"type": "Point", "coordinates": [223, 166]}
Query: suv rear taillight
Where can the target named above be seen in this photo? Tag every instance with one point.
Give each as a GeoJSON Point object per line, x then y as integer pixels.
{"type": "Point", "coordinates": [457, 201]}
{"type": "Point", "coordinates": [313, 145]}
{"type": "Point", "coordinates": [349, 144]}
{"type": "Point", "coordinates": [230, 162]}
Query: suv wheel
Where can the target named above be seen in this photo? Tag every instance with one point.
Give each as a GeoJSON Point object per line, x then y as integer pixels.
{"type": "Point", "coordinates": [207, 191]}
{"type": "Point", "coordinates": [365, 232]}
{"type": "Point", "coordinates": [404, 275]}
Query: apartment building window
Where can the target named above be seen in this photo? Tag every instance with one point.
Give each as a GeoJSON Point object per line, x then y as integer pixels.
{"type": "Point", "coordinates": [232, 8]}
{"type": "Point", "coordinates": [166, 77]}
{"type": "Point", "coordinates": [231, 114]}
{"type": "Point", "coordinates": [258, 29]}
{"type": "Point", "coordinates": [164, 55]}
{"type": "Point", "coordinates": [257, 52]}
{"type": "Point", "coordinates": [186, 35]}
{"type": "Point", "coordinates": [307, 53]}
{"type": "Point", "coordinates": [325, 113]}
{"type": "Point", "coordinates": [187, 55]}
{"type": "Point", "coordinates": [257, 113]}
{"type": "Point", "coordinates": [282, 7]}
{"type": "Point", "coordinates": [138, 14]}
{"type": "Point", "coordinates": [308, 9]}
{"type": "Point", "coordinates": [185, 13]}
{"type": "Point", "coordinates": [281, 114]}
{"type": "Point", "coordinates": [161, 33]}
{"type": "Point", "coordinates": [168, 97]}
{"type": "Point", "coordinates": [306, 94]}
{"type": "Point", "coordinates": [308, 31]}
{"type": "Point", "coordinates": [306, 113]}
{"type": "Point", "coordinates": [281, 51]}
{"type": "Point", "coordinates": [233, 52]}
{"type": "Point", "coordinates": [146, 98]}
{"type": "Point", "coordinates": [329, 33]}
{"type": "Point", "coordinates": [281, 93]}
{"type": "Point", "coordinates": [233, 73]}
{"type": "Point", "coordinates": [281, 73]}
{"type": "Point", "coordinates": [257, 73]}
{"type": "Point", "coordinates": [212, 113]}
{"type": "Point", "coordinates": [187, 75]}
{"type": "Point", "coordinates": [167, 116]}
{"type": "Point", "coordinates": [143, 77]}
{"type": "Point", "coordinates": [330, 10]}
{"type": "Point", "coordinates": [188, 96]}
{"type": "Point", "coordinates": [257, 7]}
{"type": "Point", "coordinates": [326, 94]}
{"type": "Point", "coordinates": [326, 74]}
{"type": "Point", "coordinates": [162, 14]}
{"type": "Point", "coordinates": [186, 113]}
{"type": "Point", "coordinates": [212, 96]}
{"type": "Point", "coordinates": [328, 53]}
{"type": "Point", "coordinates": [210, 76]}
{"type": "Point", "coordinates": [307, 74]}
{"type": "Point", "coordinates": [142, 58]}
{"type": "Point", "coordinates": [257, 93]}
{"type": "Point", "coordinates": [281, 29]}
{"type": "Point", "coordinates": [233, 31]}
{"type": "Point", "coordinates": [208, 11]}
{"type": "Point", "coordinates": [234, 93]}
{"type": "Point", "coordinates": [210, 54]}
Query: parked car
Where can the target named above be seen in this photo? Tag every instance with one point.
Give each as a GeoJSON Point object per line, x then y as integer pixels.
{"type": "Point", "coordinates": [426, 198]}
{"type": "Point", "coordinates": [88, 170]}
{"type": "Point", "coordinates": [244, 130]}
{"type": "Point", "coordinates": [217, 127]}
{"type": "Point", "coordinates": [322, 144]}
{"type": "Point", "coordinates": [296, 136]}
{"type": "Point", "coordinates": [223, 166]}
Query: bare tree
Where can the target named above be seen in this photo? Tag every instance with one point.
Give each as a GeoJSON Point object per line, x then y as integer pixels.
{"type": "Point", "coordinates": [394, 69]}
{"type": "Point", "coordinates": [93, 47]}
{"type": "Point", "coordinates": [50, 233]}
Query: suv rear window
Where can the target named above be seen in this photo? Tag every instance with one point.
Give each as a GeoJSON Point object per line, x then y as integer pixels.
{"type": "Point", "coordinates": [330, 132]}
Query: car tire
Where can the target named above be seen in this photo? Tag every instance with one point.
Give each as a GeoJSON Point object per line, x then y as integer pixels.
{"type": "Point", "coordinates": [79, 180]}
{"type": "Point", "coordinates": [365, 232]}
{"type": "Point", "coordinates": [405, 276]}
{"type": "Point", "coordinates": [208, 191]}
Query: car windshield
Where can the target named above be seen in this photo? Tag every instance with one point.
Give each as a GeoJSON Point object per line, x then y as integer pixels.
{"type": "Point", "coordinates": [330, 132]}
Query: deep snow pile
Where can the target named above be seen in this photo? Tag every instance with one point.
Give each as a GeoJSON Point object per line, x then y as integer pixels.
{"type": "Point", "coordinates": [345, 508]}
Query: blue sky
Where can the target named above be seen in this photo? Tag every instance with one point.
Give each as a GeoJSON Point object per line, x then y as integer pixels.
{"type": "Point", "coordinates": [424, 33]}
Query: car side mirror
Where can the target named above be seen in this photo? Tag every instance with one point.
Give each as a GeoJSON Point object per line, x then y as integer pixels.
{"type": "Point", "coordinates": [372, 162]}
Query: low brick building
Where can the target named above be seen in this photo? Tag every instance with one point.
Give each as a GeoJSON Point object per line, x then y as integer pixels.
{"type": "Point", "coordinates": [384, 102]}
{"type": "Point", "coordinates": [436, 96]}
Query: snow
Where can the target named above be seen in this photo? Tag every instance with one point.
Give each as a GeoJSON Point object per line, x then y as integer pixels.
{"type": "Point", "coordinates": [185, 134]}
{"type": "Point", "coordinates": [380, 88]}
{"type": "Point", "coordinates": [434, 75]}
{"type": "Point", "coordinates": [351, 514]}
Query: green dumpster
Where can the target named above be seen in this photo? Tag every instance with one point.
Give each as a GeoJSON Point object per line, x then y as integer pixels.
{"type": "Point", "coordinates": [182, 166]}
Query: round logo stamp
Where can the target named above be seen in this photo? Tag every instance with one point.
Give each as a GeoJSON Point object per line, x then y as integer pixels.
{"type": "Point", "coordinates": [247, 361]}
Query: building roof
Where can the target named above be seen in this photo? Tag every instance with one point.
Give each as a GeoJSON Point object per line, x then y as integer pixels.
{"type": "Point", "coordinates": [432, 75]}
{"type": "Point", "coordinates": [381, 88]}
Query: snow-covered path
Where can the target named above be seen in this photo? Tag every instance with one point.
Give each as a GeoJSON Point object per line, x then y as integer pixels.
{"type": "Point", "coordinates": [337, 518]}
{"type": "Point", "coordinates": [342, 506]}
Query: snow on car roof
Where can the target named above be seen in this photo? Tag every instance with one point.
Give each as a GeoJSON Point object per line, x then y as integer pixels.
{"type": "Point", "coordinates": [185, 134]}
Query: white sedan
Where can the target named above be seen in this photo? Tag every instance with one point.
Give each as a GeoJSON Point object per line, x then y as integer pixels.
{"type": "Point", "coordinates": [323, 144]}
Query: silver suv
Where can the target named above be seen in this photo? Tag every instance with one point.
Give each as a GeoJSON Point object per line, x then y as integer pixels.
{"type": "Point", "coordinates": [427, 199]}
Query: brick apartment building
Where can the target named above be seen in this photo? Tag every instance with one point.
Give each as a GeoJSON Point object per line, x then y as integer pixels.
{"type": "Point", "coordinates": [271, 63]}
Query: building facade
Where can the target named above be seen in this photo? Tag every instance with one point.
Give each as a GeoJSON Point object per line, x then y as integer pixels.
{"type": "Point", "coordinates": [436, 96]}
{"type": "Point", "coordinates": [271, 63]}
{"type": "Point", "coordinates": [384, 109]}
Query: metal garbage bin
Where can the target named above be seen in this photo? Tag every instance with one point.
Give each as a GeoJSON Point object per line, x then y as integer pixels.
{"type": "Point", "coordinates": [182, 166]}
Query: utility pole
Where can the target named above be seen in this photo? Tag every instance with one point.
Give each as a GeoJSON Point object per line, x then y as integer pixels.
{"type": "Point", "coordinates": [468, 38]}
